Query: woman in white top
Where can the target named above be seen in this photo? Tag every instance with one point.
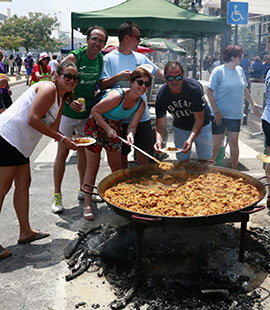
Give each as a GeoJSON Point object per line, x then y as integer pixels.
{"type": "Point", "coordinates": [35, 113]}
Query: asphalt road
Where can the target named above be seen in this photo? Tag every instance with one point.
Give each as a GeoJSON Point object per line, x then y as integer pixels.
{"type": "Point", "coordinates": [34, 277]}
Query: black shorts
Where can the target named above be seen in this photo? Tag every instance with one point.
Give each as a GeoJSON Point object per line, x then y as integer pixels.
{"type": "Point", "coordinates": [144, 138]}
{"type": "Point", "coordinates": [5, 101]}
{"type": "Point", "coordinates": [10, 156]}
{"type": "Point", "coordinates": [232, 125]}
{"type": "Point", "coordinates": [266, 130]}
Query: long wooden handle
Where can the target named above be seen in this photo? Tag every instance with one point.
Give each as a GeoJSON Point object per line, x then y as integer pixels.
{"type": "Point", "coordinates": [140, 150]}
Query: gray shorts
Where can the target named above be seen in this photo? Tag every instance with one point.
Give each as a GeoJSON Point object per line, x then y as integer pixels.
{"type": "Point", "coordinates": [69, 125]}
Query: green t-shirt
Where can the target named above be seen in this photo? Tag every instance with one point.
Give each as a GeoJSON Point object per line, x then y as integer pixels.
{"type": "Point", "coordinates": [89, 72]}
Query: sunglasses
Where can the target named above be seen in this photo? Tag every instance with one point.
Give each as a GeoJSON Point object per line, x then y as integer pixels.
{"type": "Point", "coordinates": [141, 82]}
{"type": "Point", "coordinates": [69, 76]}
{"type": "Point", "coordinates": [176, 78]}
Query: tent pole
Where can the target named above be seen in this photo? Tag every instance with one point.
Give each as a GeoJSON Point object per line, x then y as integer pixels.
{"type": "Point", "coordinates": [201, 56]}
{"type": "Point", "coordinates": [72, 39]}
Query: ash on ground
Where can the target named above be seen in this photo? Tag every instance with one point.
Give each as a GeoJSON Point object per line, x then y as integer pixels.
{"type": "Point", "coordinates": [179, 268]}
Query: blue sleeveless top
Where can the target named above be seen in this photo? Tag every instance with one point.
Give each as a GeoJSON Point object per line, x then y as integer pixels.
{"type": "Point", "coordinates": [118, 113]}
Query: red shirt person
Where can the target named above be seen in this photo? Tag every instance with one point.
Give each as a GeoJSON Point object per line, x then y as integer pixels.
{"type": "Point", "coordinates": [41, 71]}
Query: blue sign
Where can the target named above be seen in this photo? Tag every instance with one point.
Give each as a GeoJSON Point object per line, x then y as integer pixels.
{"type": "Point", "coordinates": [237, 13]}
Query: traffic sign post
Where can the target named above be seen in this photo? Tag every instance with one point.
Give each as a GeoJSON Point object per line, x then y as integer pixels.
{"type": "Point", "coordinates": [237, 13]}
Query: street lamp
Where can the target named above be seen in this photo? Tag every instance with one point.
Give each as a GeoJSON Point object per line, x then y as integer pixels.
{"type": "Point", "coordinates": [60, 27]}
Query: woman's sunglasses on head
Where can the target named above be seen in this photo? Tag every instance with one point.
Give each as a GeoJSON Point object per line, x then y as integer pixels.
{"type": "Point", "coordinates": [69, 76]}
{"type": "Point", "coordinates": [176, 78]}
{"type": "Point", "coordinates": [141, 82]}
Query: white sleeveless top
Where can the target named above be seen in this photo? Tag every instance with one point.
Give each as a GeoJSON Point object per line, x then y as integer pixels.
{"type": "Point", "coordinates": [14, 126]}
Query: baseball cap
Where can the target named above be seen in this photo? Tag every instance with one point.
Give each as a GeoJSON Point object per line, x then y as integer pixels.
{"type": "Point", "coordinates": [29, 54]}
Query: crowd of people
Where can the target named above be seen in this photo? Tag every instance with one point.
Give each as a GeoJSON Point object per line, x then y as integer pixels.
{"type": "Point", "coordinates": [114, 89]}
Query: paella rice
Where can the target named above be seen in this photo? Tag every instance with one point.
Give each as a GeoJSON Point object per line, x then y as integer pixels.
{"type": "Point", "coordinates": [184, 195]}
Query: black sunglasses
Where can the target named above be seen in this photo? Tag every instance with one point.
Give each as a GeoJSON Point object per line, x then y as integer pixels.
{"type": "Point", "coordinates": [141, 82]}
{"type": "Point", "coordinates": [69, 76]}
{"type": "Point", "coordinates": [176, 78]}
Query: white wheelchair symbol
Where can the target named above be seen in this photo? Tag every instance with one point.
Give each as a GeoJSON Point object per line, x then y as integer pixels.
{"type": "Point", "coordinates": [236, 15]}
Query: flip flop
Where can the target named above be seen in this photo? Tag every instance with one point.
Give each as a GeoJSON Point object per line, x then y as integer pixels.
{"type": "Point", "coordinates": [88, 214]}
{"type": "Point", "coordinates": [4, 253]}
{"type": "Point", "coordinates": [39, 235]}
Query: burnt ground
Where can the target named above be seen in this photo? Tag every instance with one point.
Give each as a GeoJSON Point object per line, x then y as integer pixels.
{"type": "Point", "coordinates": [180, 268]}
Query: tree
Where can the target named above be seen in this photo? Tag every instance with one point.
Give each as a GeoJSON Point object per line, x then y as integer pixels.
{"type": "Point", "coordinates": [247, 40]}
{"type": "Point", "coordinates": [35, 30]}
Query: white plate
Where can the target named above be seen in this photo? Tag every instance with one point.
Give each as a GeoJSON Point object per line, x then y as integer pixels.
{"type": "Point", "coordinates": [84, 141]}
{"type": "Point", "coordinates": [263, 157]}
{"type": "Point", "coordinates": [167, 150]}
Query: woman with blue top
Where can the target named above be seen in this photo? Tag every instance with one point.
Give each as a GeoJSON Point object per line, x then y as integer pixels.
{"type": "Point", "coordinates": [105, 125]}
{"type": "Point", "coordinates": [226, 92]}
{"type": "Point", "coordinates": [266, 127]}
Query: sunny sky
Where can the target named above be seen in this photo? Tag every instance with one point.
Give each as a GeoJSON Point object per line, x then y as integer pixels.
{"type": "Point", "coordinates": [62, 8]}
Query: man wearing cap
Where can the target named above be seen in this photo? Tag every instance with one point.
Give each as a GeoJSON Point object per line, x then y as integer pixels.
{"type": "Point", "coordinates": [118, 66]}
{"type": "Point", "coordinates": [184, 99]}
{"type": "Point", "coordinates": [41, 71]}
{"type": "Point", "coordinates": [89, 62]}
{"type": "Point", "coordinates": [28, 64]}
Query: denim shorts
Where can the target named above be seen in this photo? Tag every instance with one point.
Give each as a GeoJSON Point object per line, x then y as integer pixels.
{"type": "Point", "coordinates": [232, 125]}
{"type": "Point", "coordinates": [203, 142]}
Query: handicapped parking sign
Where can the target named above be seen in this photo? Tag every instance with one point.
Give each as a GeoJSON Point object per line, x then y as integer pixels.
{"type": "Point", "coordinates": [237, 13]}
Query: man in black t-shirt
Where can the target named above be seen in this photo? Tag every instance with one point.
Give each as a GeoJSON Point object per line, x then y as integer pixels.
{"type": "Point", "coordinates": [184, 99]}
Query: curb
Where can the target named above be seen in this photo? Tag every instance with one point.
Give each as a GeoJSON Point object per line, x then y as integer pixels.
{"type": "Point", "coordinates": [17, 83]}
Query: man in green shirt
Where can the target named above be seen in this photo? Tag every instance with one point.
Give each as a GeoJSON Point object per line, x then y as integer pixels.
{"type": "Point", "coordinates": [89, 62]}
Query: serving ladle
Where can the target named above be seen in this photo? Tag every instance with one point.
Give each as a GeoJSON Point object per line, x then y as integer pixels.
{"type": "Point", "coordinates": [162, 165]}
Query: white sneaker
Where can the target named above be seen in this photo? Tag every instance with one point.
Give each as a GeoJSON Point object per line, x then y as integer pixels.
{"type": "Point", "coordinates": [80, 195]}
{"type": "Point", "coordinates": [57, 205]}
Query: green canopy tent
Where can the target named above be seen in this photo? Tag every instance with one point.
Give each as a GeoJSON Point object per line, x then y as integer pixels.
{"type": "Point", "coordinates": [156, 18]}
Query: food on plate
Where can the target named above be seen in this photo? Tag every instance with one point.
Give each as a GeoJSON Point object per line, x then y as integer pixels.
{"type": "Point", "coordinates": [83, 140]}
{"type": "Point", "coordinates": [169, 149]}
{"type": "Point", "coordinates": [183, 194]}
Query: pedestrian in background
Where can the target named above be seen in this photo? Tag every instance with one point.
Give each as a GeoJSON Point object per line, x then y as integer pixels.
{"type": "Point", "coordinates": [256, 71]}
{"type": "Point", "coordinates": [18, 62]}
{"type": "Point", "coordinates": [5, 63]}
{"type": "Point", "coordinates": [28, 64]}
{"type": "Point", "coordinates": [226, 92]}
{"type": "Point", "coordinates": [35, 113]}
{"type": "Point", "coordinates": [89, 61]}
{"type": "Point", "coordinates": [41, 71]}
{"type": "Point", "coordinates": [53, 63]}
{"type": "Point", "coordinates": [266, 65]}
{"type": "Point", "coordinates": [245, 64]}
{"type": "Point", "coordinates": [5, 92]}
{"type": "Point", "coordinates": [11, 63]}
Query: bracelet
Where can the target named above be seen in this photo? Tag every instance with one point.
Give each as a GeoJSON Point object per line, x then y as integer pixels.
{"type": "Point", "coordinates": [59, 138]}
{"type": "Point", "coordinates": [217, 112]}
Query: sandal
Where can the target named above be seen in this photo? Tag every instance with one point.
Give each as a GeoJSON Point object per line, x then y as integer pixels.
{"type": "Point", "coordinates": [88, 214]}
{"type": "Point", "coordinates": [4, 253]}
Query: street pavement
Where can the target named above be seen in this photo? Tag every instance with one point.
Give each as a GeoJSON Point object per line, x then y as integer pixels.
{"type": "Point", "coordinates": [34, 276]}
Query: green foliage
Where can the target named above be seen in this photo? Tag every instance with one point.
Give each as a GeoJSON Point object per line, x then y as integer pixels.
{"type": "Point", "coordinates": [33, 31]}
{"type": "Point", "coordinates": [10, 42]}
{"type": "Point", "coordinates": [247, 40]}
